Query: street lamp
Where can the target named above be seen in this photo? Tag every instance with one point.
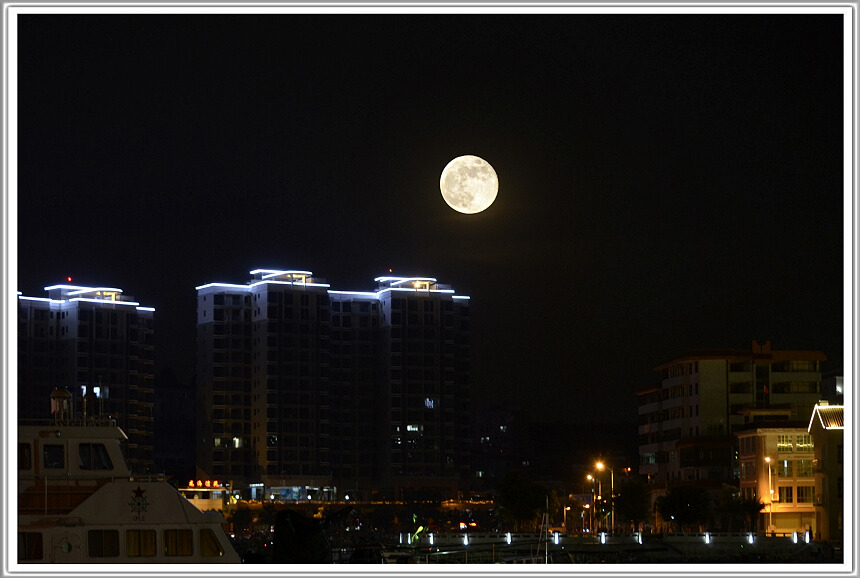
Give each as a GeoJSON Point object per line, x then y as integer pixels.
{"type": "Point", "coordinates": [566, 508]}
{"type": "Point", "coordinates": [770, 488]}
{"type": "Point", "coordinates": [599, 495]}
{"type": "Point", "coordinates": [600, 466]}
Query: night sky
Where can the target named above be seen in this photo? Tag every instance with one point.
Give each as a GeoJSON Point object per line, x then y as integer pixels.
{"type": "Point", "coordinates": [667, 182]}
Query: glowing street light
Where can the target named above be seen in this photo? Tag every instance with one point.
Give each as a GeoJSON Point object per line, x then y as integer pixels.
{"type": "Point", "coordinates": [600, 466]}
{"type": "Point", "coordinates": [566, 509]}
{"type": "Point", "coordinates": [770, 488]}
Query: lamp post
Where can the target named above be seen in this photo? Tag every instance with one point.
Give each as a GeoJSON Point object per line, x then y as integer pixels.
{"type": "Point", "coordinates": [770, 489]}
{"type": "Point", "coordinates": [566, 508]}
{"type": "Point", "coordinates": [586, 507]}
{"type": "Point", "coordinates": [600, 466]}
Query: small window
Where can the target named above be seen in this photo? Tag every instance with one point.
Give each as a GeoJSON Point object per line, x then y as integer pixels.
{"type": "Point", "coordinates": [209, 545]}
{"type": "Point", "coordinates": [53, 456]}
{"type": "Point", "coordinates": [177, 543]}
{"type": "Point", "coordinates": [29, 546]}
{"type": "Point", "coordinates": [103, 543]}
{"type": "Point", "coordinates": [139, 543]}
{"type": "Point", "coordinates": [25, 457]}
{"type": "Point", "coordinates": [805, 494]}
{"type": "Point", "coordinates": [93, 457]}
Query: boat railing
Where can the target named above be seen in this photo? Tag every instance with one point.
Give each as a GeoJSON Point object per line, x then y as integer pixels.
{"type": "Point", "coordinates": [91, 421]}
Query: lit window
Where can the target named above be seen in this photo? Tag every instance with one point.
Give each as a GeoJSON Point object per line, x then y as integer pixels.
{"type": "Point", "coordinates": [803, 468]}
{"type": "Point", "coordinates": [140, 543]}
{"type": "Point", "coordinates": [786, 494]}
{"type": "Point", "coordinates": [209, 545]}
{"type": "Point", "coordinates": [784, 443]}
{"type": "Point", "coordinates": [804, 443]}
{"type": "Point", "coordinates": [177, 542]}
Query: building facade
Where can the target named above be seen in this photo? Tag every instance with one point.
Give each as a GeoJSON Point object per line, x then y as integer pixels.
{"type": "Point", "coordinates": [315, 392]}
{"type": "Point", "coordinates": [90, 340]}
{"type": "Point", "coordinates": [777, 468]}
{"type": "Point", "coordinates": [687, 421]}
{"type": "Point", "coordinates": [827, 428]}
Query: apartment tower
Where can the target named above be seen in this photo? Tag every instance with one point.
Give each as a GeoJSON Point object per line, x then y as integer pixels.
{"type": "Point", "coordinates": [90, 340]}
{"type": "Point", "coordinates": [311, 392]}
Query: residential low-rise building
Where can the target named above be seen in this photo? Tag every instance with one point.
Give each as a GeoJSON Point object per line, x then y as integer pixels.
{"type": "Point", "coordinates": [827, 428]}
{"type": "Point", "coordinates": [777, 468]}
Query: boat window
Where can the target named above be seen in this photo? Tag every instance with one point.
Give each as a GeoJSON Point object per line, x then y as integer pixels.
{"type": "Point", "coordinates": [103, 543]}
{"type": "Point", "coordinates": [177, 542]}
{"type": "Point", "coordinates": [54, 456]}
{"type": "Point", "coordinates": [209, 545]}
{"type": "Point", "coordinates": [93, 457]}
{"type": "Point", "coordinates": [25, 456]}
{"type": "Point", "coordinates": [29, 546]}
{"type": "Point", "coordinates": [139, 543]}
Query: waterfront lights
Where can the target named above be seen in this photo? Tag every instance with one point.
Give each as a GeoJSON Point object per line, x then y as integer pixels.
{"type": "Point", "coordinates": [555, 538]}
{"type": "Point", "coordinates": [431, 538]}
{"type": "Point", "coordinates": [750, 538]}
{"type": "Point", "coordinates": [465, 539]}
{"type": "Point", "coordinates": [794, 537]}
{"type": "Point", "coordinates": [639, 537]}
{"type": "Point", "coordinates": [603, 537]}
{"type": "Point", "coordinates": [707, 537]}
{"type": "Point", "coordinates": [508, 537]}
{"type": "Point", "coordinates": [808, 536]}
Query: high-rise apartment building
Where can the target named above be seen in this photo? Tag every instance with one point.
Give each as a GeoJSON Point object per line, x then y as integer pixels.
{"type": "Point", "coordinates": [687, 421]}
{"type": "Point", "coordinates": [90, 340]}
{"type": "Point", "coordinates": [311, 391]}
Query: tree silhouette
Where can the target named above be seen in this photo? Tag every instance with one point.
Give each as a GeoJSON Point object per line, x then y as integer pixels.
{"type": "Point", "coordinates": [684, 507]}
{"type": "Point", "coordinates": [632, 502]}
{"type": "Point", "coordinates": [522, 499]}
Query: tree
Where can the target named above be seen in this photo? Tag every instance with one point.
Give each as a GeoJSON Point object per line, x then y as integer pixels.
{"type": "Point", "coordinates": [684, 506]}
{"type": "Point", "coordinates": [750, 508]}
{"type": "Point", "coordinates": [632, 502]}
{"type": "Point", "coordinates": [241, 519]}
{"type": "Point", "coordinates": [732, 506]}
{"type": "Point", "coordinates": [522, 499]}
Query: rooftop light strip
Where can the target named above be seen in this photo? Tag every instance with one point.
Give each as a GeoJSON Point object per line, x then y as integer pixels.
{"type": "Point", "coordinates": [405, 279]}
{"type": "Point", "coordinates": [272, 272]}
{"type": "Point", "coordinates": [300, 283]}
{"type": "Point", "coordinates": [415, 290]}
{"type": "Point", "coordinates": [67, 287]}
{"type": "Point", "coordinates": [91, 289]}
{"type": "Point", "coordinates": [373, 294]}
{"type": "Point", "coordinates": [145, 308]}
{"type": "Point", "coordinates": [279, 273]}
{"type": "Point", "coordinates": [45, 299]}
{"type": "Point", "coordinates": [224, 285]}
{"type": "Point", "coordinates": [104, 301]}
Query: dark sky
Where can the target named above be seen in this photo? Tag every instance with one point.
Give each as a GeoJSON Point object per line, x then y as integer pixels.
{"type": "Point", "coordinates": [666, 182]}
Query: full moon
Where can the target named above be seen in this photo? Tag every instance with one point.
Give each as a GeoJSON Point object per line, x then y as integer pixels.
{"type": "Point", "coordinates": [469, 184]}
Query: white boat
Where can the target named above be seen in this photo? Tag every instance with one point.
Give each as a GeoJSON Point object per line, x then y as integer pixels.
{"type": "Point", "coordinates": [79, 503]}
